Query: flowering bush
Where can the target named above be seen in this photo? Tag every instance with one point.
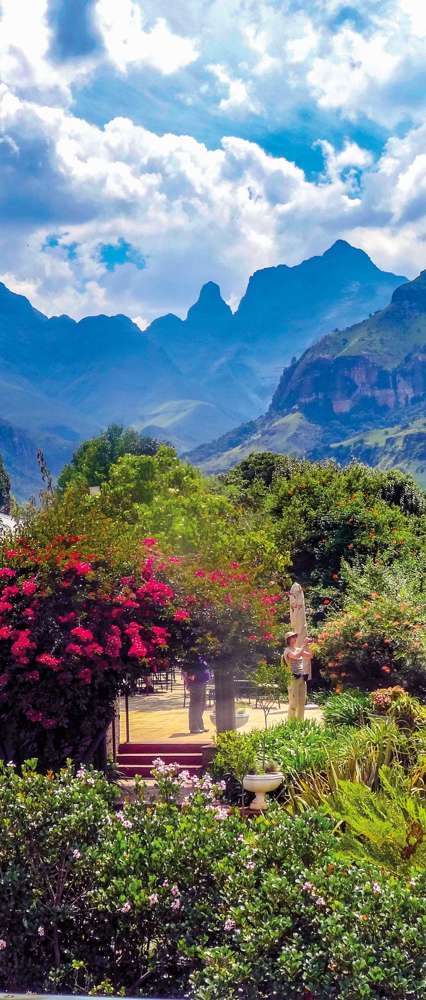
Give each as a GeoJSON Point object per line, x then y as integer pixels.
{"type": "Point", "coordinates": [69, 639]}
{"type": "Point", "coordinates": [192, 901]}
{"type": "Point", "coordinates": [375, 640]}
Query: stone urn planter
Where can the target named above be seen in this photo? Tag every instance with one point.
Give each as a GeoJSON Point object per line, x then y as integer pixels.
{"type": "Point", "coordinates": [241, 717]}
{"type": "Point", "coordinates": [260, 784]}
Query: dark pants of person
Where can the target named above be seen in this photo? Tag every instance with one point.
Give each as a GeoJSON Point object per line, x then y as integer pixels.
{"type": "Point", "coordinates": [197, 704]}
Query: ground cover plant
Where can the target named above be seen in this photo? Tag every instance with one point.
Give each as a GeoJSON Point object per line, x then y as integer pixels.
{"type": "Point", "coordinates": [193, 901]}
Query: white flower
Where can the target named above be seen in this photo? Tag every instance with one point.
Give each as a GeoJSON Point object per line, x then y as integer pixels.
{"type": "Point", "coordinates": [320, 901]}
{"type": "Point", "coordinates": [176, 904]}
{"type": "Point", "coordinates": [175, 890]}
{"type": "Point", "coordinates": [376, 888]}
{"type": "Point", "coordinates": [3, 944]}
{"type": "Point", "coordinates": [40, 931]}
{"type": "Point", "coordinates": [229, 924]}
{"type": "Point", "coordinates": [126, 907]}
{"type": "Point", "coordinates": [153, 899]}
{"type": "Point", "coordinates": [76, 855]}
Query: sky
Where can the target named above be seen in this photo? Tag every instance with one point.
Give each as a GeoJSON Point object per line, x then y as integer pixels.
{"type": "Point", "coordinates": [149, 146]}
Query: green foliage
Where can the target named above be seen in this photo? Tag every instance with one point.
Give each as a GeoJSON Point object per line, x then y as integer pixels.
{"type": "Point", "coordinates": [91, 463]}
{"type": "Point", "coordinates": [194, 901]}
{"type": "Point", "coordinates": [386, 827]}
{"type": "Point", "coordinates": [350, 708]}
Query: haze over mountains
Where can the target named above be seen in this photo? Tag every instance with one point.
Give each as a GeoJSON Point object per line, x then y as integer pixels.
{"type": "Point", "coordinates": [188, 381]}
{"type": "Point", "coordinates": [356, 393]}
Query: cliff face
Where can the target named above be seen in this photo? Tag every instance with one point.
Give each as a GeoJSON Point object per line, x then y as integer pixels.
{"type": "Point", "coordinates": [350, 387]}
{"type": "Point", "coordinates": [359, 392]}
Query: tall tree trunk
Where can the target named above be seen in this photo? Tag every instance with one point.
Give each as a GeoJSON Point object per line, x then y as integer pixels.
{"type": "Point", "coordinates": [225, 697]}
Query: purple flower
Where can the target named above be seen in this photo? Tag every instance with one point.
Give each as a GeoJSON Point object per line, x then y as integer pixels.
{"type": "Point", "coordinates": [376, 888]}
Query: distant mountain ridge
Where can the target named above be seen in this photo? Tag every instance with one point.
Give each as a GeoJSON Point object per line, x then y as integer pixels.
{"type": "Point", "coordinates": [359, 392]}
{"type": "Point", "coordinates": [185, 381]}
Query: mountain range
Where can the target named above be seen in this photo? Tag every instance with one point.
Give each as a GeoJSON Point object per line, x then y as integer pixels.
{"type": "Point", "coordinates": [356, 393]}
{"type": "Point", "coordinates": [184, 380]}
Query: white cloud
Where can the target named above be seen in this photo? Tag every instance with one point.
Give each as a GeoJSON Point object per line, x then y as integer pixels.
{"type": "Point", "coordinates": [128, 42]}
{"type": "Point", "coordinates": [237, 93]}
{"type": "Point", "coordinates": [194, 214]}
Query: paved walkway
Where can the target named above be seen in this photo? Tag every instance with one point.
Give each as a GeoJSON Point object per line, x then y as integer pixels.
{"type": "Point", "coordinates": [162, 717]}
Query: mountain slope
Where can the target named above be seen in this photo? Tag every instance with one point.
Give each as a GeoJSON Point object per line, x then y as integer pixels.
{"type": "Point", "coordinates": [360, 393]}
{"type": "Point", "coordinates": [185, 380]}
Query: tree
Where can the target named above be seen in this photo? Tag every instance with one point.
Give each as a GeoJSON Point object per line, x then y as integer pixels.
{"type": "Point", "coordinates": [71, 636]}
{"type": "Point", "coordinates": [92, 462]}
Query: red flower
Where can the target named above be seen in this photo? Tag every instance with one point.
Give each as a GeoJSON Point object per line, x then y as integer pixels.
{"type": "Point", "coordinates": [29, 613]}
{"type": "Point", "coordinates": [93, 649]}
{"type": "Point", "coordinates": [181, 616]}
{"type": "Point", "coordinates": [74, 650]}
{"type": "Point", "coordinates": [5, 606]}
{"type": "Point", "coordinates": [3, 680]}
{"type": "Point", "coordinates": [252, 638]}
{"type": "Point", "coordinates": [85, 675]}
{"type": "Point", "coordinates": [82, 633]}
{"type": "Point", "coordinates": [49, 661]}
{"type": "Point", "coordinates": [70, 617]}
{"type": "Point", "coordinates": [149, 542]}
{"type": "Point", "coordinates": [49, 723]}
{"type": "Point", "coordinates": [7, 572]}
{"type": "Point", "coordinates": [386, 669]}
{"type": "Point", "coordinates": [138, 648]}
{"type": "Point", "coordinates": [5, 632]}
{"type": "Point", "coordinates": [33, 715]}
{"type": "Point", "coordinates": [29, 588]}
{"type": "Point", "coordinates": [32, 675]}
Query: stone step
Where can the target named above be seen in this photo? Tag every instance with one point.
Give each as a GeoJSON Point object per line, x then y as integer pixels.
{"type": "Point", "coordinates": [145, 770]}
{"type": "Point", "coordinates": [183, 759]}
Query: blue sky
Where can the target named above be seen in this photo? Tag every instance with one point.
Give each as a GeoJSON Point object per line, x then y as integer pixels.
{"type": "Point", "coordinates": [147, 147]}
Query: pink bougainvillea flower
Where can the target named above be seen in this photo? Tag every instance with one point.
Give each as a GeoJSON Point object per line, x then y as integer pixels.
{"type": "Point", "coordinates": [149, 542]}
{"type": "Point", "coordinates": [386, 669]}
{"type": "Point", "coordinates": [5, 632]}
{"type": "Point", "coordinates": [47, 660]}
{"type": "Point", "coordinates": [74, 650]}
{"type": "Point", "coordinates": [252, 638]}
{"type": "Point", "coordinates": [82, 633]}
{"type": "Point", "coordinates": [29, 588]}
{"type": "Point", "coordinates": [33, 715]}
{"type": "Point", "coordinates": [49, 723]}
{"type": "Point", "coordinates": [32, 675]}
{"type": "Point", "coordinates": [85, 675]}
{"type": "Point", "coordinates": [5, 606]}
{"type": "Point", "coordinates": [5, 571]}
{"type": "Point", "coordinates": [3, 680]}
{"type": "Point", "coordinates": [138, 649]}
{"type": "Point", "coordinates": [70, 617]}
{"type": "Point", "coordinates": [181, 616]}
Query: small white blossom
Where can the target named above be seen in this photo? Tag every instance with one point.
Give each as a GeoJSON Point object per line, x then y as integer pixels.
{"type": "Point", "coordinates": [40, 931]}
{"type": "Point", "coordinates": [176, 904]}
{"type": "Point", "coordinates": [229, 924]}
{"type": "Point", "coordinates": [153, 899]}
{"type": "Point", "coordinates": [376, 888]}
{"type": "Point", "coordinates": [126, 907]}
{"type": "Point", "coordinates": [3, 944]}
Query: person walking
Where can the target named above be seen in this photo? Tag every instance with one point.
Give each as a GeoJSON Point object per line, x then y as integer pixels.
{"type": "Point", "coordinates": [298, 659]}
{"type": "Point", "coordinates": [196, 681]}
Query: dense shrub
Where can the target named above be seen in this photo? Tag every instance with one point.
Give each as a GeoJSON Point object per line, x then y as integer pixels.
{"type": "Point", "coordinates": [349, 708]}
{"type": "Point", "coordinates": [192, 901]}
{"type": "Point", "coordinates": [375, 640]}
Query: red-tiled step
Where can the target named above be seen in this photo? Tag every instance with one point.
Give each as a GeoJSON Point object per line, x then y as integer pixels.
{"type": "Point", "coordinates": [138, 758]}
